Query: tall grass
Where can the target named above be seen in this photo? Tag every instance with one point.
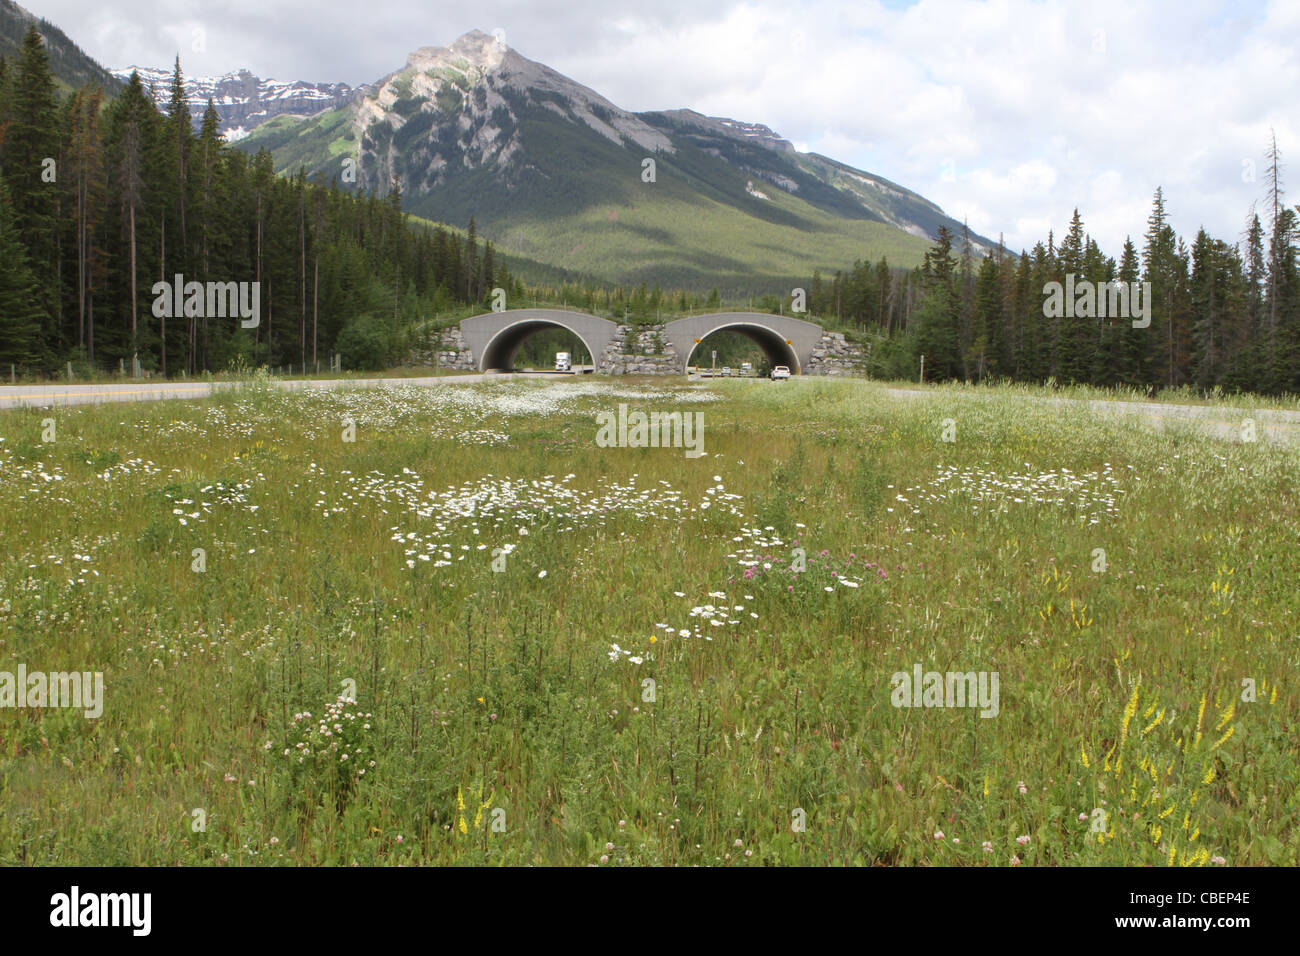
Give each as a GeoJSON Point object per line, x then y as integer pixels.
{"type": "Point", "coordinates": [503, 727]}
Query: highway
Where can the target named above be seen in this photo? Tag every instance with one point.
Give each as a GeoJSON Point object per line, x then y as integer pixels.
{"type": "Point", "coordinates": [48, 396]}
{"type": "Point", "coordinates": [1271, 425]}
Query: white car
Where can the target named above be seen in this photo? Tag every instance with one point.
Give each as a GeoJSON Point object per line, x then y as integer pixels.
{"type": "Point", "coordinates": [726, 371]}
{"type": "Point", "coordinates": [781, 371]}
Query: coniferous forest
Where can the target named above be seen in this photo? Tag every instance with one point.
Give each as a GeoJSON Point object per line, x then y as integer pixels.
{"type": "Point", "coordinates": [100, 200]}
{"type": "Point", "coordinates": [1221, 314]}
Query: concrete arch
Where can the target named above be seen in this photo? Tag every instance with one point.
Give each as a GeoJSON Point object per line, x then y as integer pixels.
{"type": "Point", "coordinates": [494, 337]}
{"type": "Point", "coordinates": [784, 340]}
{"type": "Point", "coordinates": [768, 339]}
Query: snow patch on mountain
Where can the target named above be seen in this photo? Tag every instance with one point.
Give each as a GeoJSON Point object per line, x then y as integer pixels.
{"type": "Point", "coordinates": [242, 101]}
{"type": "Point", "coordinates": [733, 129]}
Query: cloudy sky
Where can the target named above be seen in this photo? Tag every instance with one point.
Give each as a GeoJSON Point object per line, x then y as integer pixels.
{"type": "Point", "coordinates": [1008, 113]}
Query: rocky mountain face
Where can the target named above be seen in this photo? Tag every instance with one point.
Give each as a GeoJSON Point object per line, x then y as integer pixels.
{"type": "Point", "coordinates": [242, 100]}
{"type": "Point", "coordinates": [467, 106]}
{"type": "Point", "coordinates": [755, 133]}
{"type": "Point", "coordinates": [552, 170]}
{"type": "Point", "coordinates": [463, 106]}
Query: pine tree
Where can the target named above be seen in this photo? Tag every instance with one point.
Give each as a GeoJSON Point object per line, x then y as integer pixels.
{"type": "Point", "coordinates": [985, 348]}
{"type": "Point", "coordinates": [1071, 333]}
{"type": "Point", "coordinates": [20, 313]}
{"type": "Point", "coordinates": [207, 212]}
{"type": "Point", "coordinates": [1041, 333]}
{"type": "Point", "coordinates": [85, 178]}
{"type": "Point", "coordinates": [1275, 203]}
{"type": "Point", "coordinates": [939, 314]}
{"type": "Point", "coordinates": [1284, 302]}
{"type": "Point", "coordinates": [1134, 359]}
{"type": "Point", "coordinates": [31, 146]}
{"type": "Point", "coordinates": [885, 295]}
{"type": "Point", "coordinates": [129, 140]}
{"type": "Point", "coordinates": [1205, 304]}
{"type": "Point", "coordinates": [1158, 268]}
{"type": "Point", "coordinates": [966, 292]}
{"type": "Point", "coordinates": [1023, 295]}
{"type": "Point", "coordinates": [487, 279]}
{"type": "Point", "coordinates": [471, 262]}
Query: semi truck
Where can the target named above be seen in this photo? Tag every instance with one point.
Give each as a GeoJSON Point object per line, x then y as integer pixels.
{"type": "Point", "coordinates": [563, 362]}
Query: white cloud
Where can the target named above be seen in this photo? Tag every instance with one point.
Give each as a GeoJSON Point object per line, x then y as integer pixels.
{"type": "Point", "coordinates": [1009, 112]}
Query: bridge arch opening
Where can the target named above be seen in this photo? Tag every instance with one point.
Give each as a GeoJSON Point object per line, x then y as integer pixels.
{"type": "Point", "coordinates": [775, 348]}
{"type": "Point", "coordinates": [530, 340]}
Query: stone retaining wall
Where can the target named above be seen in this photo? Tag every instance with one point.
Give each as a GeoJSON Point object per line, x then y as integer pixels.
{"type": "Point", "coordinates": [447, 351]}
{"type": "Point", "coordinates": [647, 352]}
{"type": "Point", "coordinates": [835, 355]}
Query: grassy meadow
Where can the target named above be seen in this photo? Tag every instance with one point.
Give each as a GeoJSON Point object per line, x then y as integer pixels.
{"type": "Point", "coordinates": [534, 650]}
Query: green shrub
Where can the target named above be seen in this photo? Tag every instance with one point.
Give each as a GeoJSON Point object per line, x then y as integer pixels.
{"type": "Point", "coordinates": [364, 344]}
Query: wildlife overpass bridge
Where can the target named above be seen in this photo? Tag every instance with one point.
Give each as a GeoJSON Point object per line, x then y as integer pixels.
{"type": "Point", "coordinates": [494, 338]}
{"type": "Point", "coordinates": [784, 341]}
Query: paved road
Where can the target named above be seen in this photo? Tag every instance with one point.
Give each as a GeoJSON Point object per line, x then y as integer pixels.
{"type": "Point", "coordinates": [1271, 425]}
{"type": "Point", "coordinates": [45, 396]}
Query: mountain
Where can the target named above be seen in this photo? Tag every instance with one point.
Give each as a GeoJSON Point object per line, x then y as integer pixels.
{"type": "Point", "coordinates": [72, 67]}
{"type": "Point", "coordinates": [553, 171]}
{"type": "Point", "coordinates": [851, 189]}
{"type": "Point", "coordinates": [242, 100]}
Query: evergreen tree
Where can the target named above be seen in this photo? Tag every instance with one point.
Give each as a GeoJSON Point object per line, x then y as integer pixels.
{"type": "Point", "coordinates": [84, 168]}
{"type": "Point", "coordinates": [986, 348]}
{"type": "Point", "coordinates": [1071, 333]}
{"type": "Point", "coordinates": [31, 148]}
{"type": "Point", "coordinates": [1158, 269]}
{"type": "Point", "coordinates": [207, 214]}
{"type": "Point", "coordinates": [939, 315]}
{"type": "Point", "coordinates": [129, 130]}
{"type": "Point", "coordinates": [20, 312]}
{"type": "Point", "coordinates": [471, 262]}
{"type": "Point", "coordinates": [1284, 328]}
{"type": "Point", "coordinates": [1134, 360]}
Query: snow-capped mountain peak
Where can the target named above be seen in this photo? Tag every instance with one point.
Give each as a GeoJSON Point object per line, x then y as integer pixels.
{"type": "Point", "coordinates": [242, 101]}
